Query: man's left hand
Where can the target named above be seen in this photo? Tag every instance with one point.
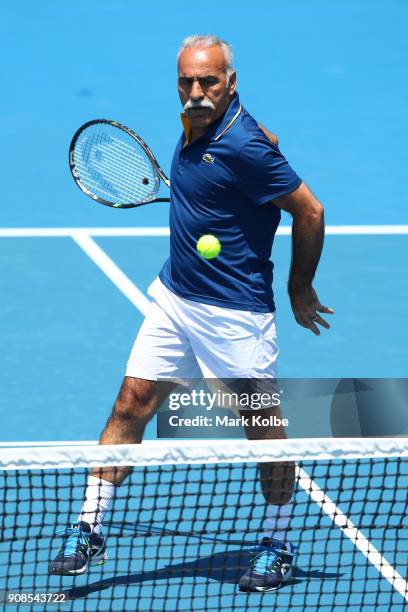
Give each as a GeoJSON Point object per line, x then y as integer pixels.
{"type": "Point", "coordinates": [306, 306]}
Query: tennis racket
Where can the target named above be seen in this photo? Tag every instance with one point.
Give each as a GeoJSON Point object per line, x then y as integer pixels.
{"type": "Point", "coordinates": [114, 166]}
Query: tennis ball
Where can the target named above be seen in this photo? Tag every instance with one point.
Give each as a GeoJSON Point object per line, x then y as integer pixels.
{"type": "Point", "coordinates": [208, 246]}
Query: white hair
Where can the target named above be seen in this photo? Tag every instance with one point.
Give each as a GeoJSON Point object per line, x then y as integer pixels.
{"type": "Point", "coordinates": [208, 40]}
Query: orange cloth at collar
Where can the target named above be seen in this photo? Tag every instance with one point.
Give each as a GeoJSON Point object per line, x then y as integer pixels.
{"type": "Point", "coordinates": [186, 128]}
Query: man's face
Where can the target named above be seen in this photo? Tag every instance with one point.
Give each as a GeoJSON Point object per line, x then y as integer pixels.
{"type": "Point", "coordinates": [204, 90]}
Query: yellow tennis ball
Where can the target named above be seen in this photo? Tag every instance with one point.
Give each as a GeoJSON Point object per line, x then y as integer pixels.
{"type": "Point", "coordinates": [208, 246]}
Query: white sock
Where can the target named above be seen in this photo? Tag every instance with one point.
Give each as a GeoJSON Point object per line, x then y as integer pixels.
{"type": "Point", "coordinates": [276, 522]}
{"type": "Point", "coordinates": [98, 496]}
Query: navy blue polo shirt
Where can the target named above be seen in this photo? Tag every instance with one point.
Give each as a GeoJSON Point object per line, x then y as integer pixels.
{"type": "Point", "coordinates": [223, 184]}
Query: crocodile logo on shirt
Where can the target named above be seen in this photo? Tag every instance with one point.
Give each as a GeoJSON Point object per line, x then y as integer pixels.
{"type": "Point", "coordinates": [208, 158]}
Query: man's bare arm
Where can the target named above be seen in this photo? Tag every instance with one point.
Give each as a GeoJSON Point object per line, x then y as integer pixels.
{"type": "Point", "coordinates": [272, 137]}
{"type": "Point", "coordinates": [307, 245]}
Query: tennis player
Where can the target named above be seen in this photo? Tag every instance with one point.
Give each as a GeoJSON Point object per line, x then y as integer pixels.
{"type": "Point", "coordinates": [214, 318]}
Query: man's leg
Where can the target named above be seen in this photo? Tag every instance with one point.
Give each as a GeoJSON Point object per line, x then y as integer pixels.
{"type": "Point", "coordinates": [277, 478]}
{"type": "Point", "coordinates": [137, 402]}
{"type": "Point", "coordinates": [161, 351]}
{"type": "Point", "coordinates": [273, 563]}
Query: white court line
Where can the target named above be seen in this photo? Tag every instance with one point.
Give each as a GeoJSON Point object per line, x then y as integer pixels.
{"type": "Point", "coordinates": [356, 537]}
{"type": "Point", "coordinates": [365, 230]}
{"type": "Point", "coordinates": [284, 230]}
{"type": "Point", "coordinates": [112, 271]}
{"type": "Point", "coordinates": [45, 443]}
{"type": "Point", "coordinates": [67, 232]}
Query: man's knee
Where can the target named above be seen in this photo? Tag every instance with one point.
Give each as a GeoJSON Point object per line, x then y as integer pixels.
{"type": "Point", "coordinates": [136, 399]}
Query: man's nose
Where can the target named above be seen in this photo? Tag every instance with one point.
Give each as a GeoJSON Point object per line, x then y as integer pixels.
{"type": "Point", "coordinates": [196, 91]}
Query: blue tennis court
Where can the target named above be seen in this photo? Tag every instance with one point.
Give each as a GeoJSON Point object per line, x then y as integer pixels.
{"type": "Point", "coordinates": [327, 79]}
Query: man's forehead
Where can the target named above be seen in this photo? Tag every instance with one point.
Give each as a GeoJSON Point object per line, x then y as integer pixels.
{"type": "Point", "coordinates": [203, 61]}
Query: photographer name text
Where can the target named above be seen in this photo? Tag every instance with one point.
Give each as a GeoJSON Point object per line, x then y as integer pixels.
{"type": "Point", "coordinates": [226, 421]}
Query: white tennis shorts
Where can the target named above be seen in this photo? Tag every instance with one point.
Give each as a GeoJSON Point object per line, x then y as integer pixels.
{"type": "Point", "coordinates": [182, 339]}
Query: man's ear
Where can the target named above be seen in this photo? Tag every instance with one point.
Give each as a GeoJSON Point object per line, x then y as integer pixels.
{"type": "Point", "coordinates": [272, 137]}
{"type": "Point", "coordinates": [232, 83]}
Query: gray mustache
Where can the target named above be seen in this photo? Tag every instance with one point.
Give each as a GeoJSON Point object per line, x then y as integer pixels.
{"type": "Point", "coordinates": [199, 104]}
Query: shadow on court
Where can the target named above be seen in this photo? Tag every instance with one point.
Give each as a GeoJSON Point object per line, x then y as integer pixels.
{"type": "Point", "coordinates": [223, 567]}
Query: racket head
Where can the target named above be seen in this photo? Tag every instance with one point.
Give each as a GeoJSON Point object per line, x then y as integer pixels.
{"type": "Point", "coordinates": [112, 165]}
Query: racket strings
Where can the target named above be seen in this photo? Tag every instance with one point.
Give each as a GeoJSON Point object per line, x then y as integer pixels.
{"type": "Point", "coordinates": [109, 166]}
{"type": "Point", "coordinates": [126, 153]}
{"type": "Point", "coordinates": [114, 166]}
{"type": "Point", "coordinates": [121, 179]}
{"type": "Point", "coordinates": [130, 156]}
{"type": "Point", "coordinates": [96, 189]}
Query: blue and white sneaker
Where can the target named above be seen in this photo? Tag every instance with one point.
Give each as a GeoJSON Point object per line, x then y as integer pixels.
{"type": "Point", "coordinates": [80, 548]}
{"type": "Point", "coordinates": [269, 568]}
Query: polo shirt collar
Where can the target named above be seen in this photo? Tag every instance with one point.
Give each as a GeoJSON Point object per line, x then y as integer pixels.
{"type": "Point", "coordinates": [217, 129]}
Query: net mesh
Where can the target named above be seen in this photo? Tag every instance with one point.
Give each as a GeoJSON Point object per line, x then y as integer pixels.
{"type": "Point", "coordinates": [181, 528]}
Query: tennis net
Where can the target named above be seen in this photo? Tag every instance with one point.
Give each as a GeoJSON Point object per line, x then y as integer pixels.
{"type": "Point", "coordinates": [182, 525]}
